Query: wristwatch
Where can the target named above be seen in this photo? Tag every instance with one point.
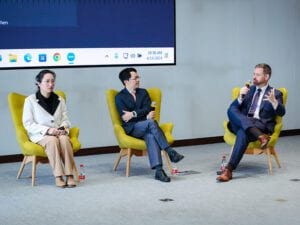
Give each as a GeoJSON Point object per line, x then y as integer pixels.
{"type": "Point", "coordinates": [134, 114]}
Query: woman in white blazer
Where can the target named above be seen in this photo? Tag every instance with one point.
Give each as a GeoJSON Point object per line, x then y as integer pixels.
{"type": "Point", "coordinates": [46, 121]}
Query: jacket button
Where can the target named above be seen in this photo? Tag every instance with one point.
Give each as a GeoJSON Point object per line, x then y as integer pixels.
{"type": "Point", "coordinates": [52, 121]}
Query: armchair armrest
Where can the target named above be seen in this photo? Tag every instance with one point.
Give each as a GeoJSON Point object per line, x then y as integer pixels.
{"type": "Point", "coordinates": [167, 128]}
{"type": "Point", "coordinates": [73, 134]}
{"type": "Point", "coordinates": [228, 137]}
{"type": "Point", "coordinates": [275, 135]}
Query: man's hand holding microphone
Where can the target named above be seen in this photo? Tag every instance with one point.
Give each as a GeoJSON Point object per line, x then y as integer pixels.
{"type": "Point", "coordinates": [244, 91]}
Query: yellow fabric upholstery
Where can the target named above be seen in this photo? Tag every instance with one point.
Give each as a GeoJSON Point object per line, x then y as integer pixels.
{"type": "Point", "coordinates": [128, 143]}
{"type": "Point", "coordinates": [16, 105]}
{"type": "Point", "coordinates": [254, 147]}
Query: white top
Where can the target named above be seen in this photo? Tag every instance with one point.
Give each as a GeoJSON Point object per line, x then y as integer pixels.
{"type": "Point", "coordinates": [37, 120]}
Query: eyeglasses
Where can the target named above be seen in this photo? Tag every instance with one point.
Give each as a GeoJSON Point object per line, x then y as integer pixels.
{"type": "Point", "coordinates": [48, 81]}
{"type": "Point", "coordinates": [136, 78]}
{"type": "Point", "coordinates": [258, 74]}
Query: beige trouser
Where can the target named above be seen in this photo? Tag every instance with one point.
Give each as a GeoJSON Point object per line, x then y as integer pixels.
{"type": "Point", "coordinates": [60, 154]}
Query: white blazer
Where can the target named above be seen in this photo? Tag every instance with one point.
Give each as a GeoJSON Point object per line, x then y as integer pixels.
{"type": "Point", "coordinates": [37, 120]}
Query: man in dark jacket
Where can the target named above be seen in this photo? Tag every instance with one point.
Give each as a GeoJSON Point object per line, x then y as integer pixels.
{"type": "Point", "coordinates": [134, 106]}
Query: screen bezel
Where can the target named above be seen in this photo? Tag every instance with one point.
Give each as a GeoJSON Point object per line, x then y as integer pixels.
{"type": "Point", "coordinates": [105, 65]}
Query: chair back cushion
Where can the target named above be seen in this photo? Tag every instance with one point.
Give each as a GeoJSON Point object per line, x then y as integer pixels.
{"type": "Point", "coordinates": [16, 105]}
{"type": "Point", "coordinates": [284, 96]}
{"type": "Point", "coordinates": [114, 114]}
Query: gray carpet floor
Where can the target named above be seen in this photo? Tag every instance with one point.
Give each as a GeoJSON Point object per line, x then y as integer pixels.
{"type": "Point", "coordinates": [107, 197]}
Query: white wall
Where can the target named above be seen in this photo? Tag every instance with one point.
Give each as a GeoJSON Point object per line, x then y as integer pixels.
{"type": "Point", "coordinates": [218, 44]}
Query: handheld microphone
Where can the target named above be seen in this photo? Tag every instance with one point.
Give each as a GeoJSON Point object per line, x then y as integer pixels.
{"type": "Point", "coordinates": [247, 84]}
{"type": "Point", "coordinates": [153, 105]}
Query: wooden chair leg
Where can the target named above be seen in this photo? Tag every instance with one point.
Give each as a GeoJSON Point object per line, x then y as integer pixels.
{"type": "Point", "coordinates": [168, 161]}
{"type": "Point", "coordinates": [129, 155]}
{"type": "Point", "coordinates": [122, 153]}
{"type": "Point", "coordinates": [274, 153]}
{"type": "Point", "coordinates": [269, 160]}
{"type": "Point", "coordinates": [22, 167]}
{"type": "Point", "coordinates": [34, 162]}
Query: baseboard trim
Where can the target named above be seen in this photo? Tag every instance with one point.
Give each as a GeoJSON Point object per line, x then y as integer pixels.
{"type": "Point", "coordinates": [98, 150]}
{"type": "Point", "coordinates": [11, 158]}
{"type": "Point", "coordinates": [115, 148]}
{"type": "Point", "coordinates": [198, 141]}
{"type": "Point", "coordinates": [292, 132]}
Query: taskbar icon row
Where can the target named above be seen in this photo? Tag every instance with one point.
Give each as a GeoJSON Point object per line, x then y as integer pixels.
{"type": "Point", "coordinates": [41, 57]}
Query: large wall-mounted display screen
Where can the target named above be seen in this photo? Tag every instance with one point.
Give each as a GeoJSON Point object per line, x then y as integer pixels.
{"type": "Point", "coordinates": [63, 33]}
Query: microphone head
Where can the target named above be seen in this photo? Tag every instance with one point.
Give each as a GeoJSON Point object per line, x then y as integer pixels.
{"type": "Point", "coordinates": [248, 84]}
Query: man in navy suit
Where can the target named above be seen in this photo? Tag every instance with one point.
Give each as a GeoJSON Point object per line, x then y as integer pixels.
{"type": "Point", "coordinates": [252, 116]}
{"type": "Point", "coordinates": [134, 106]}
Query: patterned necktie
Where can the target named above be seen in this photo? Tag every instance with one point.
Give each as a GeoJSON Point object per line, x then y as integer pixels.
{"type": "Point", "coordinates": [254, 103]}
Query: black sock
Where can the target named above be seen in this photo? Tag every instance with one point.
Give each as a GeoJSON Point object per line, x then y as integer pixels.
{"type": "Point", "coordinates": [255, 132]}
{"type": "Point", "coordinates": [229, 166]}
{"type": "Point", "coordinates": [169, 149]}
{"type": "Point", "coordinates": [158, 167]}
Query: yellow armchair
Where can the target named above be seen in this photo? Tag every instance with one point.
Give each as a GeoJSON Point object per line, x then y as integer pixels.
{"type": "Point", "coordinates": [130, 146]}
{"type": "Point", "coordinates": [254, 147]}
{"type": "Point", "coordinates": [33, 152]}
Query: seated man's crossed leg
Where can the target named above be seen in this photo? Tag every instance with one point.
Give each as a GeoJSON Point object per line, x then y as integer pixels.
{"type": "Point", "coordinates": [150, 132]}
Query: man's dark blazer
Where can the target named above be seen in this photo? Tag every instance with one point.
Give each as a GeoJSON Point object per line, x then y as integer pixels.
{"type": "Point", "coordinates": [267, 113]}
{"type": "Point", "coordinates": [142, 106]}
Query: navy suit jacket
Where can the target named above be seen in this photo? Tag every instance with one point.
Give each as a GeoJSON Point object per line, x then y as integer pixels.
{"type": "Point", "coordinates": [267, 113]}
{"type": "Point", "coordinates": [142, 106]}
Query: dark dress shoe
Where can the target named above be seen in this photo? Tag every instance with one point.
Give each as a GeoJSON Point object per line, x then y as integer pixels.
{"type": "Point", "coordinates": [225, 176]}
{"type": "Point", "coordinates": [264, 140]}
{"type": "Point", "coordinates": [175, 157]}
{"type": "Point", "coordinates": [162, 176]}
